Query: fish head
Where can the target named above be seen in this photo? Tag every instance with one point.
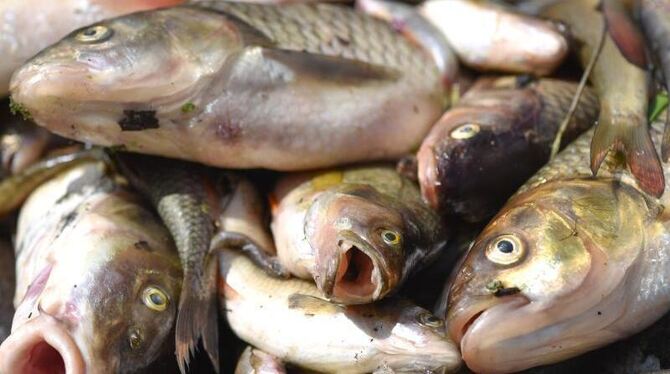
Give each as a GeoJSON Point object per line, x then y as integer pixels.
{"type": "Point", "coordinates": [117, 69]}
{"type": "Point", "coordinates": [528, 290]}
{"type": "Point", "coordinates": [106, 304]}
{"type": "Point", "coordinates": [359, 239]}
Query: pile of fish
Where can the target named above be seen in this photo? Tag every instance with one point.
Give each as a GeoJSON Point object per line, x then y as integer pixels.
{"type": "Point", "coordinates": [294, 186]}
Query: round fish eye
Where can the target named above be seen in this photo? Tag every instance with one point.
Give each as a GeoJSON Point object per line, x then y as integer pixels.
{"type": "Point", "coordinates": [135, 339]}
{"type": "Point", "coordinates": [94, 34]}
{"type": "Point", "coordinates": [155, 299]}
{"type": "Point", "coordinates": [390, 237]}
{"type": "Point", "coordinates": [428, 319]}
{"type": "Point", "coordinates": [505, 250]}
{"type": "Point", "coordinates": [465, 131]}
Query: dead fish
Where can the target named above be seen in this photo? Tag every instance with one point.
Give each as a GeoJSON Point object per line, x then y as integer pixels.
{"type": "Point", "coordinates": [488, 37]}
{"type": "Point", "coordinates": [410, 23]}
{"type": "Point", "coordinates": [255, 361]}
{"type": "Point", "coordinates": [655, 17]}
{"type": "Point", "coordinates": [22, 143]}
{"type": "Point", "coordinates": [29, 26]}
{"type": "Point", "coordinates": [358, 232]}
{"type": "Point", "coordinates": [622, 90]}
{"type": "Point", "coordinates": [312, 333]}
{"type": "Point", "coordinates": [571, 263]}
{"type": "Point", "coordinates": [98, 278]}
{"type": "Point", "coordinates": [497, 137]}
{"type": "Point", "coordinates": [7, 285]}
{"type": "Point", "coordinates": [280, 87]}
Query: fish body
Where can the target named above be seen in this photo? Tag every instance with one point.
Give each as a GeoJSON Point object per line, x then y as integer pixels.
{"type": "Point", "coordinates": [358, 232]}
{"type": "Point", "coordinates": [238, 85]}
{"type": "Point", "coordinates": [28, 26]}
{"type": "Point", "coordinates": [98, 279]}
{"type": "Point", "coordinates": [622, 89]}
{"type": "Point", "coordinates": [498, 135]}
{"type": "Point", "coordinates": [570, 263]}
{"type": "Point", "coordinates": [488, 37]}
{"type": "Point", "coordinates": [255, 361]}
{"type": "Point", "coordinates": [7, 286]}
{"type": "Point", "coordinates": [312, 333]}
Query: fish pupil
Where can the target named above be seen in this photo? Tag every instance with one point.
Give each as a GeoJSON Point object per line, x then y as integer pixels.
{"type": "Point", "coordinates": [505, 246]}
{"type": "Point", "coordinates": [391, 237]}
{"type": "Point", "coordinates": [156, 299]}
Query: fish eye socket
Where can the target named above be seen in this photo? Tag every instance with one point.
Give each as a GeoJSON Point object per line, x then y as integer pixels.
{"type": "Point", "coordinates": [155, 299]}
{"type": "Point", "coordinates": [505, 250]}
{"type": "Point", "coordinates": [135, 340]}
{"type": "Point", "coordinates": [391, 237]}
{"type": "Point", "coordinates": [94, 34]}
{"type": "Point", "coordinates": [429, 320]}
{"type": "Point", "coordinates": [465, 131]}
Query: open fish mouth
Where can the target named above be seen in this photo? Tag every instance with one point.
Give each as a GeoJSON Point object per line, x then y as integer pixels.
{"type": "Point", "coordinates": [41, 346]}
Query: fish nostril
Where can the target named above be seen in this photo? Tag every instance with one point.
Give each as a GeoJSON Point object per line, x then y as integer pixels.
{"type": "Point", "coordinates": [44, 359]}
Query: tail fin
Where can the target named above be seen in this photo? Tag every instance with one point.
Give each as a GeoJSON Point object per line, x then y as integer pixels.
{"type": "Point", "coordinates": [631, 137]}
{"type": "Point", "coordinates": [197, 318]}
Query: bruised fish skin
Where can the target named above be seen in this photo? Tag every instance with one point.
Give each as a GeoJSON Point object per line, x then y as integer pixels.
{"type": "Point", "coordinates": [622, 89]}
{"type": "Point", "coordinates": [353, 339]}
{"type": "Point", "coordinates": [487, 37]}
{"type": "Point", "coordinates": [471, 176]}
{"type": "Point", "coordinates": [255, 361]}
{"type": "Point", "coordinates": [352, 77]}
{"type": "Point", "coordinates": [87, 253]}
{"type": "Point", "coordinates": [315, 212]}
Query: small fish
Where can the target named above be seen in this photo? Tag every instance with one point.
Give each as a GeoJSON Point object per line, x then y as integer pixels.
{"type": "Point", "coordinates": [498, 135]}
{"type": "Point", "coordinates": [358, 232]}
{"type": "Point", "coordinates": [410, 23]}
{"type": "Point", "coordinates": [311, 333]}
{"type": "Point", "coordinates": [571, 263]}
{"type": "Point", "coordinates": [7, 286]}
{"type": "Point", "coordinates": [655, 17]}
{"type": "Point", "coordinates": [255, 361]}
{"type": "Point", "coordinates": [29, 26]}
{"type": "Point", "coordinates": [98, 279]}
{"type": "Point", "coordinates": [622, 90]}
{"type": "Point", "coordinates": [290, 87]}
{"type": "Point", "coordinates": [488, 37]}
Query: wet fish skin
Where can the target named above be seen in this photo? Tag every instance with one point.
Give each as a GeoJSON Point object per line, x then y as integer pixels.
{"type": "Point", "coordinates": [352, 75]}
{"type": "Point", "coordinates": [488, 37]}
{"type": "Point", "coordinates": [331, 226]}
{"type": "Point", "coordinates": [97, 279]}
{"type": "Point", "coordinates": [28, 26]}
{"type": "Point", "coordinates": [352, 339]}
{"type": "Point", "coordinates": [622, 124]}
{"type": "Point", "coordinates": [255, 361]}
{"type": "Point", "coordinates": [583, 271]}
{"type": "Point", "coordinates": [497, 136]}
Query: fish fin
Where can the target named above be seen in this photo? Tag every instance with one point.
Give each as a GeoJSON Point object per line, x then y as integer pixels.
{"type": "Point", "coordinates": [634, 141]}
{"type": "Point", "coordinates": [665, 143]}
{"type": "Point", "coordinates": [194, 321]}
{"type": "Point", "coordinates": [624, 32]}
{"type": "Point", "coordinates": [312, 304]}
{"type": "Point", "coordinates": [255, 252]}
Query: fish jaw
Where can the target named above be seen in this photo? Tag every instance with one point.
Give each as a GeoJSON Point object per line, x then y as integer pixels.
{"type": "Point", "coordinates": [40, 346]}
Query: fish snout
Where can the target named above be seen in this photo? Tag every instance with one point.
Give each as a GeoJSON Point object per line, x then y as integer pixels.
{"type": "Point", "coordinates": [41, 345]}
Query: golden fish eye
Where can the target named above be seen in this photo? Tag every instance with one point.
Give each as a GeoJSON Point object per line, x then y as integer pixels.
{"type": "Point", "coordinates": [428, 319]}
{"type": "Point", "coordinates": [135, 339]}
{"type": "Point", "coordinates": [505, 250]}
{"type": "Point", "coordinates": [94, 34]}
{"type": "Point", "coordinates": [390, 237]}
{"type": "Point", "coordinates": [155, 299]}
{"type": "Point", "coordinates": [465, 131]}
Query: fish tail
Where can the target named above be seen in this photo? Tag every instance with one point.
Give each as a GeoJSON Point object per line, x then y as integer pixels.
{"type": "Point", "coordinates": [197, 318]}
{"type": "Point", "coordinates": [665, 143]}
{"type": "Point", "coordinates": [634, 141]}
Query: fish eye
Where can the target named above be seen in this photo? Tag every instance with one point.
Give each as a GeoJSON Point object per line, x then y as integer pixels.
{"type": "Point", "coordinates": [390, 237]}
{"type": "Point", "coordinates": [155, 299]}
{"type": "Point", "coordinates": [135, 339]}
{"type": "Point", "coordinates": [429, 320]}
{"type": "Point", "coordinates": [465, 131]}
{"type": "Point", "coordinates": [94, 34]}
{"type": "Point", "coordinates": [505, 250]}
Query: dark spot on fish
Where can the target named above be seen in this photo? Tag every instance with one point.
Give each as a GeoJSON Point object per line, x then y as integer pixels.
{"type": "Point", "coordinates": [415, 109]}
{"type": "Point", "coordinates": [507, 291]}
{"type": "Point", "coordinates": [343, 41]}
{"type": "Point", "coordinates": [138, 120]}
{"type": "Point", "coordinates": [309, 314]}
{"type": "Point", "coordinates": [30, 315]}
{"type": "Point", "coordinates": [228, 130]}
{"type": "Point", "coordinates": [600, 313]}
{"type": "Point", "coordinates": [143, 246]}
{"type": "Point", "coordinates": [375, 329]}
{"type": "Point", "coordinates": [75, 286]}
{"type": "Point", "coordinates": [524, 80]}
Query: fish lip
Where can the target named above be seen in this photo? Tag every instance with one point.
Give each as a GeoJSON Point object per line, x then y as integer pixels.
{"type": "Point", "coordinates": [428, 174]}
{"type": "Point", "coordinates": [347, 242]}
{"type": "Point", "coordinates": [464, 317]}
{"type": "Point", "coordinates": [16, 351]}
